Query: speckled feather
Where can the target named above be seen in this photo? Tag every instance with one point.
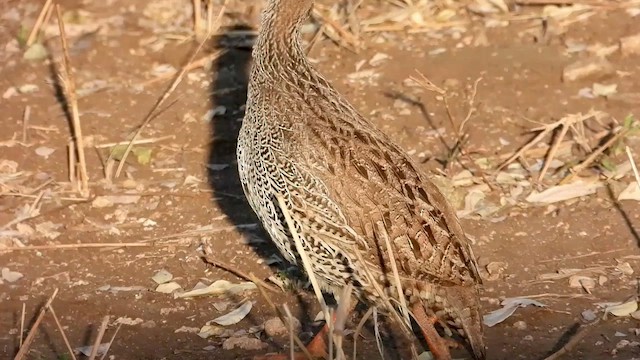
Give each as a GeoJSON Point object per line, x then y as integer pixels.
{"type": "Point", "coordinates": [345, 182]}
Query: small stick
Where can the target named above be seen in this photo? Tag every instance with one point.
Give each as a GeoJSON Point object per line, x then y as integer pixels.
{"type": "Point", "coordinates": [24, 349]}
{"type": "Point", "coordinates": [197, 15]}
{"type": "Point", "coordinates": [76, 246]}
{"type": "Point", "coordinates": [39, 21]}
{"type": "Point", "coordinates": [45, 197]}
{"type": "Point", "coordinates": [111, 342]}
{"type": "Point", "coordinates": [36, 201]}
{"type": "Point", "coordinates": [64, 336]}
{"type": "Point", "coordinates": [25, 123]}
{"type": "Point", "coordinates": [165, 96]}
{"type": "Point", "coordinates": [278, 312]}
{"type": "Point", "coordinates": [70, 87]}
{"type": "Point", "coordinates": [358, 331]}
{"type": "Point", "coordinates": [633, 166]}
{"type": "Point", "coordinates": [592, 157]}
{"type": "Point", "coordinates": [101, 331]}
{"type": "Point", "coordinates": [137, 142]}
{"type": "Point", "coordinates": [22, 318]}
{"type": "Point", "coordinates": [471, 110]}
{"type": "Point", "coordinates": [306, 261]}
{"type": "Point", "coordinates": [210, 21]}
{"type": "Point", "coordinates": [579, 335]}
{"type": "Point", "coordinates": [552, 151]}
{"type": "Point", "coordinates": [72, 162]}
{"type": "Point", "coordinates": [191, 66]}
{"type": "Point", "coordinates": [292, 353]}
{"type": "Point", "coordinates": [226, 267]}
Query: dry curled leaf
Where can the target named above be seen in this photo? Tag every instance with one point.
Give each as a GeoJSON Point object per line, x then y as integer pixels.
{"type": "Point", "coordinates": [235, 316]}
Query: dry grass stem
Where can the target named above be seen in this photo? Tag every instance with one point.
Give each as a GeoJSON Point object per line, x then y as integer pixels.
{"type": "Point", "coordinates": [137, 142]}
{"type": "Point", "coordinates": [579, 335]}
{"type": "Point", "coordinates": [593, 156]}
{"type": "Point", "coordinates": [197, 16]}
{"type": "Point", "coordinates": [226, 267]}
{"type": "Point", "coordinates": [22, 318]}
{"type": "Point", "coordinates": [101, 331]}
{"type": "Point", "coordinates": [337, 32]}
{"type": "Point", "coordinates": [46, 10]}
{"type": "Point", "coordinates": [210, 21]}
{"type": "Point", "coordinates": [190, 66]}
{"type": "Point", "coordinates": [44, 197]}
{"type": "Point", "coordinates": [358, 330]}
{"type": "Point", "coordinates": [113, 337]}
{"type": "Point", "coordinates": [24, 349]}
{"type": "Point", "coordinates": [69, 84]}
{"type": "Point", "coordinates": [77, 246]}
{"type": "Point", "coordinates": [278, 312]}
{"type": "Point", "coordinates": [64, 335]}
{"type": "Point", "coordinates": [633, 165]}
{"type": "Point", "coordinates": [291, 330]}
{"type": "Point", "coordinates": [306, 261]}
{"type": "Point", "coordinates": [166, 94]}
{"type": "Point", "coordinates": [396, 275]}
{"type": "Point", "coordinates": [26, 115]}
{"type": "Point", "coordinates": [472, 109]}
{"type": "Point", "coordinates": [565, 124]}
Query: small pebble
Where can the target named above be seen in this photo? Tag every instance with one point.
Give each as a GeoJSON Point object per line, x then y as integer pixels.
{"type": "Point", "coordinates": [520, 325]}
{"type": "Point", "coordinates": [275, 327]}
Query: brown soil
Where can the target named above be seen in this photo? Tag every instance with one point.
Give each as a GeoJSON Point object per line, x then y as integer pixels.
{"type": "Point", "coordinates": [521, 79]}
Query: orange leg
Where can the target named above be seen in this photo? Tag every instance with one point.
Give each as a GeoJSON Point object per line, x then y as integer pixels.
{"type": "Point", "coordinates": [439, 347]}
{"type": "Point", "coordinates": [316, 347]}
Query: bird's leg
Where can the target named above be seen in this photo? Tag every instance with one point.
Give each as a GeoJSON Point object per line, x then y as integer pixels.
{"type": "Point", "coordinates": [438, 346]}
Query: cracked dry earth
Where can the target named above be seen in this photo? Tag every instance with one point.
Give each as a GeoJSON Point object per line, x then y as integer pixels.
{"type": "Point", "coordinates": [569, 255]}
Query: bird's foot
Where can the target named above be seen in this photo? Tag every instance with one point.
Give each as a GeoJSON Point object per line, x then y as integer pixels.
{"type": "Point", "coordinates": [438, 346]}
{"type": "Point", "coordinates": [316, 348]}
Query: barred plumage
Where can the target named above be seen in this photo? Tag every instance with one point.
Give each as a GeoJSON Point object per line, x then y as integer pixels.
{"type": "Point", "coordinates": [347, 187]}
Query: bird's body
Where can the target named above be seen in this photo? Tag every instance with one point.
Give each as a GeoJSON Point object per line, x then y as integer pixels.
{"type": "Point", "coordinates": [356, 199]}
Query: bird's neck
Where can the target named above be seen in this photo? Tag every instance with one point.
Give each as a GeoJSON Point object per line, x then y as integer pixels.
{"type": "Point", "coordinates": [278, 47]}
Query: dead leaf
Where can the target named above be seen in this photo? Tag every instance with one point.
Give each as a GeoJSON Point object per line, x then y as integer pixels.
{"type": "Point", "coordinates": [631, 192]}
{"type": "Point", "coordinates": [623, 309]}
{"type": "Point", "coordinates": [584, 282]}
{"type": "Point", "coordinates": [604, 90]}
{"type": "Point", "coordinates": [219, 287]}
{"type": "Point", "coordinates": [86, 350]}
{"type": "Point", "coordinates": [213, 330]}
{"type": "Point", "coordinates": [168, 288]}
{"type": "Point", "coordinates": [509, 306]}
{"type": "Point", "coordinates": [234, 316]}
{"type": "Point", "coordinates": [11, 276]}
{"type": "Point", "coordinates": [564, 192]}
{"type": "Point", "coordinates": [162, 276]}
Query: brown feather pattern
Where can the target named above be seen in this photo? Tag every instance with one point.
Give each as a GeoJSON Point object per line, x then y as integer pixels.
{"type": "Point", "coordinates": [344, 181]}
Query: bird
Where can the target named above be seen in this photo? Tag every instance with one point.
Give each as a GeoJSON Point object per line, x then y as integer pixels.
{"type": "Point", "coordinates": [367, 217]}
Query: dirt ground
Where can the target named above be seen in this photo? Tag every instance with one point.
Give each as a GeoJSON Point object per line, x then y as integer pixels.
{"type": "Point", "coordinates": [573, 256]}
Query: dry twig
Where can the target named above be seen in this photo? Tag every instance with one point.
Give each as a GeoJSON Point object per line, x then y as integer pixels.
{"type": "Point", "coordinates": [579, 335]}
{"type": "Point", "coordinates": [64, 335]}
{"type": "Point", "coordinates": [226, 267]}
{"type": "Point", "coordinates": [24, 349]}
{"type": "Point", "coordinates": [69, 85]}
{"type": "Point", "coordinates": [281, 316]}
{"type": "Point", "coordinates": [101, 331]}
{"type": "Point", "coordinates": [44, 14]}
{"type": "Point", "coordinates": [633, 165]}
{"type": "Point", "coordinates": [165, 95]}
